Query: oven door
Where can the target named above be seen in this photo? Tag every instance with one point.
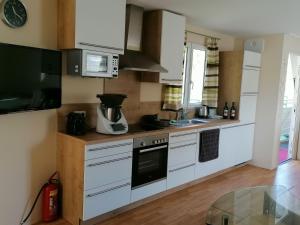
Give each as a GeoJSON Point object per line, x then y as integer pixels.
{"type": "Point", "coordinates": [149, 164]}
{"type": "Point", "coordinates": [96, 64]}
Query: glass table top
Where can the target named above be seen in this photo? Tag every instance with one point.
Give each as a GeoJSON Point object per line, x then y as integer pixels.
{"type": "Point", "coordinates": [265, 205]}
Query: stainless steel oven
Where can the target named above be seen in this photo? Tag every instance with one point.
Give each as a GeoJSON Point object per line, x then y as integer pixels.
{"type": "Point", "coordinates": [150, 159]}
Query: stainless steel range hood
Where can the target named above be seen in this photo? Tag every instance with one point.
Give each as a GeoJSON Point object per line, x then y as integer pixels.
{"type": "Point", "coordinates": [133, 58]}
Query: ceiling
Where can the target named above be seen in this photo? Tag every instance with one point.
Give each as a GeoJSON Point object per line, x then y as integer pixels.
{"type": "Point", "coordinates": [240, 18]}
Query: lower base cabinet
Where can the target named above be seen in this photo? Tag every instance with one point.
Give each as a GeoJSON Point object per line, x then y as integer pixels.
{"type": "Point", "coordinates": [148, 190]}
{"type": "Point", "coordinates": [107, 198]}
{"type": "Point", "coordinates": [180, 175]}
{"type": "Point", "coordinates": [236, 144]}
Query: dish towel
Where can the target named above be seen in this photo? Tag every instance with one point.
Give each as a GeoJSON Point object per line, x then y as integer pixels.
{"type": "Point", "coordinates": [211, 78]}
{"type": "Point", "coordinates": [209, 145]}
{"type": "Point", "coordinates": [172, 98]}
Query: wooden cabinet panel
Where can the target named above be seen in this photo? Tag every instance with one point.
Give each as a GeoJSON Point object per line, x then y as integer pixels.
{"type": "Point", "coordinates": [230, 76]}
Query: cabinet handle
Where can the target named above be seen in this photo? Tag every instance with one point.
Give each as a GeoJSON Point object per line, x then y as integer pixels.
{"type": "Point", "coordinates": [181, 146]}
{"type": "Point", "coordinates": [250, 93]}
{"type": "Point", "coordinates": [100, 46]}
{"type": "Point", "coordinates": [108, 161]}
{"type": "Point", "coordinates": [257, 67]}
{"type": "Point", "coordinates": [181, 135]}
{"type": "Point", "coordinates": [108, 147]}
{"type": "Point", "coordinates": [153, 149]}
{"type": "Point", "coordinates": [246, 124]}
{"type": "Point", "coordinates": [181, 168]}
{"type": "Point", "coordinates": [107, 190]}
{"type": "Point", "coordinates": [171, 79]}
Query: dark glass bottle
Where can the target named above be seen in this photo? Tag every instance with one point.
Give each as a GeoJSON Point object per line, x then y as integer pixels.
{"type": "Point", "coordinates": [225, 111]}
{"type": "Point", "coordinates": [233, 111]}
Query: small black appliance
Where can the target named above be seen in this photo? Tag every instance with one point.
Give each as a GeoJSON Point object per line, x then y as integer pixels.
{"type": "Point", "coordinates": [76, 123]}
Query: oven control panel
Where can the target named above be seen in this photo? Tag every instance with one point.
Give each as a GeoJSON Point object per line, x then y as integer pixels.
{"type": "Point", "coordinates": [150, 140]}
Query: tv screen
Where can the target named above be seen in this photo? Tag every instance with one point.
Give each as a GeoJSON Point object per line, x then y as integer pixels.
{"type": "Point", "coordinates": [30, 78]}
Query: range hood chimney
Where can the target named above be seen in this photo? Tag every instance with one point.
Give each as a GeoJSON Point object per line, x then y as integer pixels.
{"type": "Point", "coordinates": [133, 58]}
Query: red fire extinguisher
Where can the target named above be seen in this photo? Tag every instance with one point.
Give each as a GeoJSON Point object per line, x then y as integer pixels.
{"type": "Point", "coordinates": [50, 200]}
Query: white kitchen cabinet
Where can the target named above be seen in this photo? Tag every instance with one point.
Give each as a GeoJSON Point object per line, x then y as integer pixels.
{"type": "Point", "coordinates": [180, 175]}
{"type": "Point", "coordinates": [148, 190]}
{"type": "Point", "coordinates": [183, 136]}
{"type": "Point", "coordinates": [252, 59]}
{"type": "Point", "coordinates": [236, 144]}
{"type": "Point", "coordinates": [108, 149]}
{"type": "Point", "coordinates": [210, 167]}
{"type": "Point", "coordinates": [102, 171]}
{"type": "Point", "coordinates": [182, 155]}
{"type": "Point", "coordinates": [163, 40]}
{"type": "Point", "coordinates": [106, 198]}
{"type": "Point", "coordinates": [92, 24]}
{"type": "Point", "coordinates": [107, 177]}
{"type": "Point", "coordinates": [250, 81]}
{"type": "Point", "coordinates": [172, 46]}
{"type": "Point", "coordinates": [248, 108]}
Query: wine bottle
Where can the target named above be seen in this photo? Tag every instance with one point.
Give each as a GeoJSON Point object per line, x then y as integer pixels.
{"type": "Point", "coordinates": [232, 111]}
{"type": "Point", "coordinates": [225, 111]}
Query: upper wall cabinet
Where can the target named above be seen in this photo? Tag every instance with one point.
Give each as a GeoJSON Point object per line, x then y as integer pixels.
{"type": "Point", "coordinates": [252, 60]}
{"type": "Point", "coordinates": [163, 40]}
{"type": "Point", "coordinates": [92, 24]}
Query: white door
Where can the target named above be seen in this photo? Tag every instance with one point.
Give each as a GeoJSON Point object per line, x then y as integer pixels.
{"type": "Point", "coordinates": [100, 24]}
{"type": "Point", "coordinates": [172, 47]}
{"type": "Point", "coordinates": [248, 108]}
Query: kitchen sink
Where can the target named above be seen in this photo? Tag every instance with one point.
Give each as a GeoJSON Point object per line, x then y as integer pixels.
{"type": "Point", "coordinates": [187, 122]}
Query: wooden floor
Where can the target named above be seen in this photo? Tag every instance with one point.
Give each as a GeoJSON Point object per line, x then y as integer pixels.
{"type": "Point", "coordinates": [189, 206]}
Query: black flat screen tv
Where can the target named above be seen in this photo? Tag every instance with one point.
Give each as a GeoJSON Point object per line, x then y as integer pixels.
{"type": "Point", "coordinates": [30, 78]}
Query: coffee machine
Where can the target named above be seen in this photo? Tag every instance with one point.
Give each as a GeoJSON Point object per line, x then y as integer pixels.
{"type": "Point", "coordinates": [110, 119]}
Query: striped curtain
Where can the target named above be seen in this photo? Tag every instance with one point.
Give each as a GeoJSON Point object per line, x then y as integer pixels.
{"type": "Point", "coordinates": [172, 98]}
{"type": "Point", "coordinates": [211, 79]}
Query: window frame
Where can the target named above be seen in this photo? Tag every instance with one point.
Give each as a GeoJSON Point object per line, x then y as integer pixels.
{"type": "Point", "coordinates": [188, 70]}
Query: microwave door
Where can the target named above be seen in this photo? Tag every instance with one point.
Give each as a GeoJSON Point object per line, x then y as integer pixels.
{"type": "Point", "coordinates": [97, 65]}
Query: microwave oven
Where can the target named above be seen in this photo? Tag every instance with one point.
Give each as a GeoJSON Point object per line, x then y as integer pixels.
{"type": "Point", "coordinates": [89, 63]}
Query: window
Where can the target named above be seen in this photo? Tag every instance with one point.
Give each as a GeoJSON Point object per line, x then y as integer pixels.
{"type": "Point", "coordinates": [193, 75]}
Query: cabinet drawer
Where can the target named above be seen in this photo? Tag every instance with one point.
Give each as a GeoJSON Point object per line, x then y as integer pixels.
{"type": "Point", "coordinates": [250, 81]}
{"type": "Point", "coordinates": [107, 170]}
{"type": "Point", "coordinates": [182, 153]}
{"type": "Point", "coordinates": [180, 175]}
{"type": "Point", "coordinates": [107, 149]}
{"type": "Point", "coordinates": [107, 198]}
{"type": "Point", "coordinates": [183, 136]}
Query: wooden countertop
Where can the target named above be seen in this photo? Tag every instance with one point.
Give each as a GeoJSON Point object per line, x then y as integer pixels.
{"type": "Point", "coordinates": [95, 138]}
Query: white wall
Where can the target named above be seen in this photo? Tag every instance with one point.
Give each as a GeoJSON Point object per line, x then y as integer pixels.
{"type": "Point", "coordinates": [270, 99]}
{"type": "Point", "coordinates": [27, 140]}
{"type": "Point", "coordinates": [267, 112]}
